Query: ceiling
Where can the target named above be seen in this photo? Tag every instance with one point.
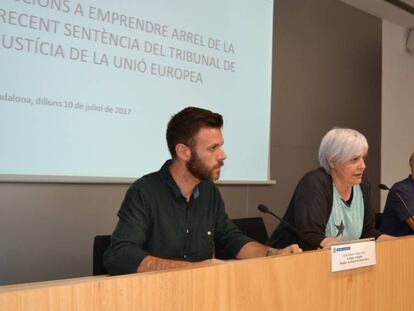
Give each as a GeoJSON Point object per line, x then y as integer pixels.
{"type": "Point", "coordinates": [400, 12]}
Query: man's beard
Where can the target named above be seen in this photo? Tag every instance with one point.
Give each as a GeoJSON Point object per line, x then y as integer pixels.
{"type": "Point", "coordinates": [197, 168]}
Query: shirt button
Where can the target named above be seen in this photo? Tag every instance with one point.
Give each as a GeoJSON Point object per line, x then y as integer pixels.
{"type": "Point", "coordinates": [185, 256]}
{"type": "Point", "coordinates": [187, 231]}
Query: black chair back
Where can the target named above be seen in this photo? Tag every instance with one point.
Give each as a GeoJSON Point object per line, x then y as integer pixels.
{"type": "Point", "coordinates": [378, 220]}
{"type": "Point", "coordinates": [100, 244]}
{"type": "Point", "coordinates": [252, 227]}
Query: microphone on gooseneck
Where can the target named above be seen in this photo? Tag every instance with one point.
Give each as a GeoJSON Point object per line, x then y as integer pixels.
{"type": "Point", "coordinates": [384, 187]}
{"type": "Point", "coordinates": [264, 209]}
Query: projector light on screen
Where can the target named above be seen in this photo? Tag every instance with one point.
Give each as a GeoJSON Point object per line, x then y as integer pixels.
{"type": "Point", "coordinates": [87, 87]}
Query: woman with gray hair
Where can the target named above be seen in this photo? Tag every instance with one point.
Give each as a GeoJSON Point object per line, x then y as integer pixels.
{"type": "Point", "coordinates": [331, 203]}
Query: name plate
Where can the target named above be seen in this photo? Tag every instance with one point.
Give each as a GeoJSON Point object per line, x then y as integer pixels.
{"type": "Point", "coordinates": [352, 254]}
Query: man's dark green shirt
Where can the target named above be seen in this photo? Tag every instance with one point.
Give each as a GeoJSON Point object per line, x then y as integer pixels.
{"type": "Point", "coordinates": [155, 219]}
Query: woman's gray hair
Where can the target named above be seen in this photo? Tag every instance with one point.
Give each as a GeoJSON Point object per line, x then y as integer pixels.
{"type": "Point", "coordinates": [340, 145]}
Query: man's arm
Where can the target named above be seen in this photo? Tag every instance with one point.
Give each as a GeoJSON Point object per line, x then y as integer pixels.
{"type": "Point", "coordinates": [249, 250]}
{"type": "Point", "coordinates": [151, 263]}
{"type": "Point", "coordinates": [410, 222]}
{"type": "Point", "coordinates": [255, 249]}
{"type": "Point", "coordinates": [395, 203]}
{"type": "Point", "coordinates": [126, 250]}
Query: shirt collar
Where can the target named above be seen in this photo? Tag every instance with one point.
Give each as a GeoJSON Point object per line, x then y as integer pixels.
{"type": "Point", "coordinates": [169, 180]}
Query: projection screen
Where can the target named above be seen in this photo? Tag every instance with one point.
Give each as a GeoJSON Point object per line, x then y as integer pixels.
{"type": "Point", "coordinates": [87, 87]}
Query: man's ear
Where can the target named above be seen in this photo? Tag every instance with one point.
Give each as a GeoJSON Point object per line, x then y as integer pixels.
{"type": "Point", "coordinates": [183, 152]}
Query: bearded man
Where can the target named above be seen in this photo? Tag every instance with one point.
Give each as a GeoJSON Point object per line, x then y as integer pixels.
{"type": "Point", "coordinates": [175, 217]}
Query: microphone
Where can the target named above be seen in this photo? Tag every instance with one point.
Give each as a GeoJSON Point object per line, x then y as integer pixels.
{"type": "Point", "coordinates": [384, 187]}
{"type": "Point", "coordinates": [264, 209]}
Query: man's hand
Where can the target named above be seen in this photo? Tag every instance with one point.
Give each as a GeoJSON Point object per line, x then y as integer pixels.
{"type": "Point", "coordinates": [291, 249]}
{"type": "Point", "coordinates": [255, 249]}
{"type": "Point", "coordinates": [209, 262]}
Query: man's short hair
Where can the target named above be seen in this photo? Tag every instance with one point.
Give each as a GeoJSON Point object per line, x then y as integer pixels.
{"type": "Point", "coordinates": [185, 125]}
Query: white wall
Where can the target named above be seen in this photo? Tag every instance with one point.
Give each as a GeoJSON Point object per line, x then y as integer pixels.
{"type": "Point", "coordinates": [397, 105]}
